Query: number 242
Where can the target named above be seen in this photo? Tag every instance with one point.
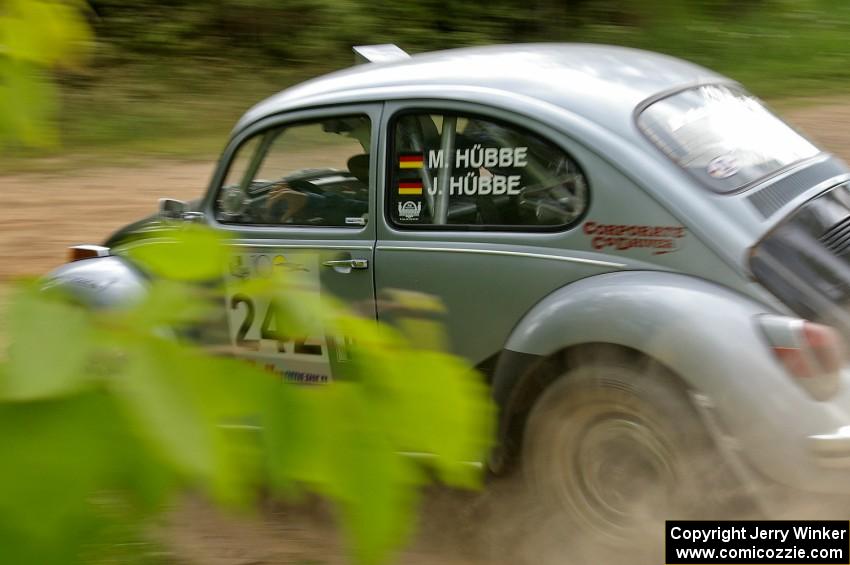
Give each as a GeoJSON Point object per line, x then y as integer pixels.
{"type": "Point", "coordinates": [268, 329]}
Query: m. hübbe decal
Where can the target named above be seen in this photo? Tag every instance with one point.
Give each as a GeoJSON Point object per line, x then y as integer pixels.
{"type": "Point", "coordinates": [660, 239]}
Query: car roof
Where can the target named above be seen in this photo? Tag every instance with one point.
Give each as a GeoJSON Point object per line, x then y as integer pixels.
{"type": "Point", "coordinates": [590, 80]}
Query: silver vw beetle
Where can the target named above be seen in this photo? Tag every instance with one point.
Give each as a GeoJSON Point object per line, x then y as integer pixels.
{"type": "Point", "coordinates": [650, 267]}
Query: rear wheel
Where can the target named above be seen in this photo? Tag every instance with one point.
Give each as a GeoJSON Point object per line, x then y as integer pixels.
{"type": "Point", "coordinates": [612, 450]}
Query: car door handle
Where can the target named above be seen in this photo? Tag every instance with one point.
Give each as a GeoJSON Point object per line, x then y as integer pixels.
{"type": "Point", "coordinates": [347, 264]}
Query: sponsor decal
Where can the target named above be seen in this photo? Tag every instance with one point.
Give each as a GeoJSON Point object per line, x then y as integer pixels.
{"type": "Point", "coordinates": [91, 284]}
{"type": "Point", "coordinates": [410, 188]}
{"type": "Point", "coordinates": [410, 161]}
{"type": "Point", "coordinates": [237, 267]}
{"type": "Point", "coordinates": [300, 377]}
{"type": "Point", "coordinates": [244, 266]}
{"type": "Point", "coordinates": [281, 264]}
{"type": "Point", "coordinates": [297, 377]}
{"type": "Point", "coordinates": [253, 315]}
{"type": "Point", "coordinates": [660, 239]}
{"type": "Point", "coordinates": [722, 167]}
{"type": "Point", "coordinates": [409, 210]}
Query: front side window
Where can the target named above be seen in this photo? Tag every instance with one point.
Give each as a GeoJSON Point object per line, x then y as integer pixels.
{"type": "Point", "coordinates": [306, 174]}
{"type": "Point", "coordinates": [723, 136]}
{"type": "Point", "coordinates": [468, 172]}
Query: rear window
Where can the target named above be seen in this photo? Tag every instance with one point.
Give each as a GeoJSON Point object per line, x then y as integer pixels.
{"type": "Point", "coordinates": [723, 136]}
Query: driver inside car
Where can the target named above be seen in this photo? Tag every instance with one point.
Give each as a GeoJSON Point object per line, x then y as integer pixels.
{"type": "Point", "coordinates": [288, 204]}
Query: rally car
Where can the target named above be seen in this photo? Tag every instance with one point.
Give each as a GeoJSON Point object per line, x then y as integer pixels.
{"type": "Point", "coordinates": [649, 266]}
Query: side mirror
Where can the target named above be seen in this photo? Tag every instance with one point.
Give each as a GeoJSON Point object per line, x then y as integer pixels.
{"type": "Point", "coordinates": [171, 209]}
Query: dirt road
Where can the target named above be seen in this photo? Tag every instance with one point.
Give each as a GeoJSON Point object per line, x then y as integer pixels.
{"type": "Point", "coordinates": [42, 214]}
{"type": "Point", "coordinates": [448, 535]}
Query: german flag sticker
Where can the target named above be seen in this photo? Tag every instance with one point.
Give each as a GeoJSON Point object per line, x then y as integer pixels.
{"type": "Point", "coordinates": [410, 161]}
{"type": "Point", "coordinates": [410, 188]}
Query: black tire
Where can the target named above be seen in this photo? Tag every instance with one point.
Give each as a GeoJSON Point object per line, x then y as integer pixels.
{"type": "Point", "coordinates": [612, 449]}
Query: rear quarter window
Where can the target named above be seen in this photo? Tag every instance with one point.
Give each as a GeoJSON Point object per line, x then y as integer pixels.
{"type": "Point", "coordinates": [458, 171]}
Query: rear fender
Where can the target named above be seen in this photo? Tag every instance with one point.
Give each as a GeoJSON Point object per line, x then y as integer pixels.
{"type": "Point", "coordinates": [705, 334]}
{"type": "Point", "coordinates": [683, 322]}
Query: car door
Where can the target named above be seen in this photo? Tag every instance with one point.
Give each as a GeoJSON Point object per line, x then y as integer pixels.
{"type": "Point", "coordinates": [483, 212]}
{"type": "Point", "coordinates": [296, 194]}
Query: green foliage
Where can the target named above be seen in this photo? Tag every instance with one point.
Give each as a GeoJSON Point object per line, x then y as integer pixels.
{"type": "Point", "coordinates": [195, 254]}
{"type": "Point", "coordinates": [766, 42]}
{"type": "Point", "coordinates": [169, 78]}
{"type": "Point", "coordinates": [107, 415]}
{"type": "Point", "coordinates": [35, 35]}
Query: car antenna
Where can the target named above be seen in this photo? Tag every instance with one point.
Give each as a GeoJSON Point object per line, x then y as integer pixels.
{"type": "Point", "coordinates": [384, 53]}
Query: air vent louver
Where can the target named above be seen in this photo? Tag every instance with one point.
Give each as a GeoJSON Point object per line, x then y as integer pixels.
{"type": "Point", "coordinates": [837, 238]}
{"type": "Point", "coordinates": [771, 198]}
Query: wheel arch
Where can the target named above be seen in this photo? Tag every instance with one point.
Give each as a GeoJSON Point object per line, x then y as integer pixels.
{"type": "Point", "coordinates": [700, 334]}
{"type": "Point", "coordinates": [541, 372]}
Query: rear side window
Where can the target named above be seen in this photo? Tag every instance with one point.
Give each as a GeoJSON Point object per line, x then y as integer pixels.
{"type": "Point", "coordinates": [723, 136]}
{"type": "Point", "coordinates": [455, 171]}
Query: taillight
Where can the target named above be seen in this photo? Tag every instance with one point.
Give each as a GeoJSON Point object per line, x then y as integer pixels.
{"type": "Point", "coordinates": [80, 252]}
{"type": "Point", "coordinates": [813, 353]}
{"type": "Point", "coordinates": [826, 346]}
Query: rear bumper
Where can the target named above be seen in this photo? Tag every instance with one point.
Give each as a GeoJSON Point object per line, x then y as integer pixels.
{"type": "Point", "coordinates": [788, 441]}
{"type": "Point", "coordinates": [831, 450]}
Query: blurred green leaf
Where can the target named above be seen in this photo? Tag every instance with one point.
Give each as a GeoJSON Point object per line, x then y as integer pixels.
{"type": "Point", "coordinates": [43, 32]}
{"type": "Point", "coordinates": [299, 431]}
{"type": "Point", "coordinates": [192, 253]}
{"type": "Point", "coordinates": [378, 490]}
{"type": "Point", "coordinates": [35, 35]}
{"type": "Point", "coordinates": [169, 305]}
{"type": "Point", "coordinates": [59, 455]}
{"type": "Point", "coordinates": [165, 411]}
{"type": "Point", "coordinates": [165, 415]}
{"type": "Point", "coordinates": [52, 345]}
